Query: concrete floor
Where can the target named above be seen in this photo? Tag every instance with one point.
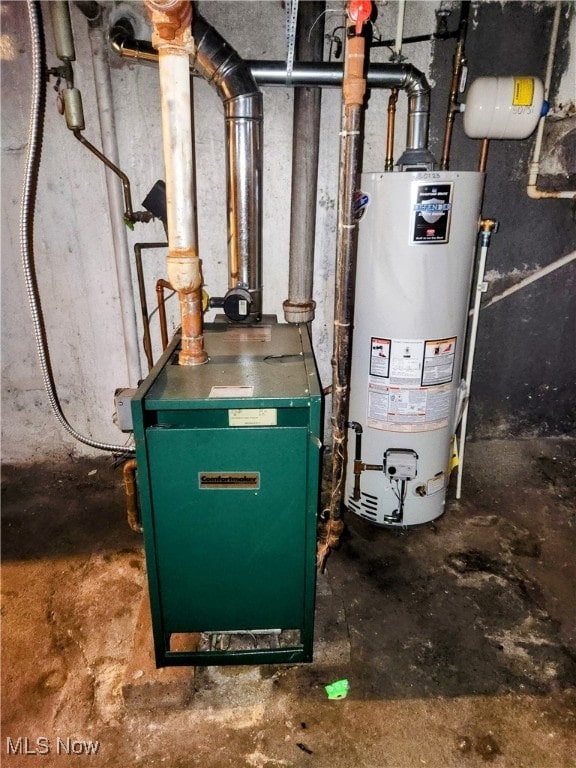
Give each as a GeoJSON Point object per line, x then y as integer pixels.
{"type": "Point", "coordinates": [462, 634]}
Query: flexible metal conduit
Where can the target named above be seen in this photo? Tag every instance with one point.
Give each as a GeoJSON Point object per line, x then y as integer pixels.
{"type": "Point", "coordinates": [27, 226]}
{"type": "Point", "coordinates": [219, 64]}
{"type": "Point", "coordinates": [327, 75]}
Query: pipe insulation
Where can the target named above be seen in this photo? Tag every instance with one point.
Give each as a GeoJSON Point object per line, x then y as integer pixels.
{"type": "Point", "coordinates": [173, 39]}
{"type": "Point", "coordinates": [33, 157]}
{"type": "Point", "coordinates": [219, 64]}
{"type": "Point", "coordinates": [299, 306]}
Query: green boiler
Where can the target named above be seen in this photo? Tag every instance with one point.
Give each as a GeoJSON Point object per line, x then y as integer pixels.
{"type": "Point", "coordinates": [228, 457]}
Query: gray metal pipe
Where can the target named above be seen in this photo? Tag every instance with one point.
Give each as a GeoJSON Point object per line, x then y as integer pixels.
{"type": "Point", "coordinates": [219, 64]}
{"type": "Point", "coordinates": [299, 306]}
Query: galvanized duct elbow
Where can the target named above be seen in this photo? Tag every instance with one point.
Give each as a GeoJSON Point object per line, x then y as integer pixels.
{"type": "Point", "coordinates": [418, 91]}
{"type": "Point", "coordinates": [218, 63]}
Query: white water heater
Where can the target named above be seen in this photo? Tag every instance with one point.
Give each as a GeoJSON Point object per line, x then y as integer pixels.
{"type": "Point", "coordinates": [416, 247]}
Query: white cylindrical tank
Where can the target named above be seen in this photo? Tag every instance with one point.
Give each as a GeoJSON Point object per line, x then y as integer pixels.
{"type": "Point", "coordinates": [417, 238]}
{"type": "Point", "coordinates": [503, 107]}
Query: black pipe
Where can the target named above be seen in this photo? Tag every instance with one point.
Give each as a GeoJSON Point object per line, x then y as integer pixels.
{"type": "Point", "coordinates": [91, 10]}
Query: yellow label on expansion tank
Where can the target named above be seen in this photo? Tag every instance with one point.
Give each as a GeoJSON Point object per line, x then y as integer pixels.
{"type": "Point", "coordinates": [523, 92]}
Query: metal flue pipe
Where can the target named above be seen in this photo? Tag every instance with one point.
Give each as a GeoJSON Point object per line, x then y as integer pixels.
{"type": "Point", "coordinates": [299, 306]}
{"type": "Point", "coordinates": [219, 64]}
{"type": "Point", "coordinates": [326, 75]}
{"type": "Point", "coordinates": [173, 39]}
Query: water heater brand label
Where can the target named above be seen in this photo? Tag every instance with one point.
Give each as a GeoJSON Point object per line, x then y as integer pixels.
{"type": "Point", "coordinates": [431, 213]}
{"type": "Point", "coordinates": [235, 480]}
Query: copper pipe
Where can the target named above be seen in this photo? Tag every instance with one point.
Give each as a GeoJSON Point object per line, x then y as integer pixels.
{"type": "Point", "coordinates": [392, 101]}
{"type": "Point", "coordinates": [160, 285]}
{"type": "Point", "coordinates": [132, 513]}
{"type": "Point", "coordinates": [452, 109]}
{"type": "Point", "coordinates": [192, 351]}
{"type": "Point", "coordinates": [353, 92]}
{"type": "Point", "coordinates": [147, 340]}
{"type": "Point", "coordinates": [483, 155]}
{"type": "Point", "coordinates": [453, 106]}
{"type": "Point", "coordinates": [128, 211]}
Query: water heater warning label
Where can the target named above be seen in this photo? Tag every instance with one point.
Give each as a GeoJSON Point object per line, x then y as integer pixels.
{"type": "Point", "coordinates": [439, 359]}
{"type": "Point", "coordinates": [380, 357]}
{"type": "Point", "coordinates": [402, 409]}
{"type": "Point", "coordinates": [410, 384]}
{"type": "Point", "coordinates": [431, 213]}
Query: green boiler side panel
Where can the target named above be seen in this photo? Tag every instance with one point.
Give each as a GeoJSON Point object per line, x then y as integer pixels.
{"type": "Point", "coordinates": [228, 471]}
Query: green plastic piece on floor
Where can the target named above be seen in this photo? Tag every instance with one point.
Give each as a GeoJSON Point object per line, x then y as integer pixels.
{"type": "Point", "coordinates": [337, 690]}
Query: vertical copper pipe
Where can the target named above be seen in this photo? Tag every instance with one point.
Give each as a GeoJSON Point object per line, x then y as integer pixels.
{"type": "Point", "coordinates": [129, 472]}
{"type": "Point", "coordinates": [389, 162]}
{"type": "Point", "coordinates": [160, 285]}
{"type": "Point", "coordinates": [147, 341]}
{"type": "Point", "coordinates": [192, 351]}
{"type": "Point", "coordinates": [483, 155]}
